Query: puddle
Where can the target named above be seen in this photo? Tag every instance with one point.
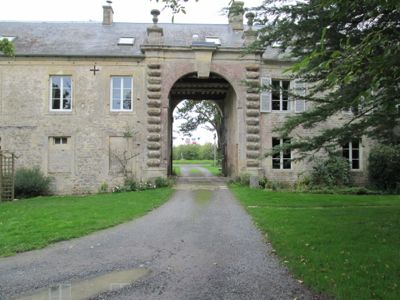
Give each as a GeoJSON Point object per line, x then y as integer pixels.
{"type": "Point", "coordinates": [202, 196]}
{"type": "Point", "coordinates": [86, 288]}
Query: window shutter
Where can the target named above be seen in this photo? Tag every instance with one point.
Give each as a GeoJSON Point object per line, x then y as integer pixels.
{"type": "Point", "coordinates": [265, 96]}
{"type": "Point", "coordinates": [300, 90]}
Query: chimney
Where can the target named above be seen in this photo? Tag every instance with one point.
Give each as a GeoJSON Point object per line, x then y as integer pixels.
{"type": "Point", "coordinates": [235, 15]}
{"type": "Point", "coordinates": [108, 14]}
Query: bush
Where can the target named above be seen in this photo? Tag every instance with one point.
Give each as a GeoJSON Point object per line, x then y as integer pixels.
{"type": "Point", "coordinates": [334, 171]}
{"type": "Point", "coordinates": [103, 188]}
{"type": "Point", "coordinates": [162, 182]}
{"type": "Point", "coordinates": [31, 182]}
{"type": "Point", "coordinates": [384, 167]}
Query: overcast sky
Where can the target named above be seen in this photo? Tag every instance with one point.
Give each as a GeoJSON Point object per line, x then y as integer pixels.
{"type": "Point", "coordinates": [204, 11]}
{"type": "Point", "coordinates": [137, 11]}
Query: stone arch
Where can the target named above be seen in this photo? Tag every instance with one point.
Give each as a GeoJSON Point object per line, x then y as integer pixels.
{"type": "Point", "coordinates": [219, 89]}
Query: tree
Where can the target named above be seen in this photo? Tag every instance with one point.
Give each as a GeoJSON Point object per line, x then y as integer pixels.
{"type": "Point", "coordinates": [6, 47]}
{"type": "Point", "coordinates": [348, 54]}
{"type": "Point", "coordinates": [196, 113]}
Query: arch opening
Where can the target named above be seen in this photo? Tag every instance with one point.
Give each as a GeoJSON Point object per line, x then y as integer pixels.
{"type": "Point", "coordinates": [214, 89]}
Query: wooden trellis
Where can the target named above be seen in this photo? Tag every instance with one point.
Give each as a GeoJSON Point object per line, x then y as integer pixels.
{"type": "Point", "coordinates": [7, 169]}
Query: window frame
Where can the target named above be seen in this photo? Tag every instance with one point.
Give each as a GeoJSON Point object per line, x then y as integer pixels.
{"type": "Point", "coordinates": [350, 148]}
{"type": "Point", "coordinates": [60, 140]}
{"type": "Point", "coordinates": [61, 109]}
{"type": "Point", "coordinates": [280, 157]}
{"type": "Point", "coordinates": [121, 77]}
{"type": "Point", "coordinates": [281, 92]}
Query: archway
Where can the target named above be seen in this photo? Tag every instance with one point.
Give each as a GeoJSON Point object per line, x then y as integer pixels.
{"type": "Point", "coordinates": [217, 89]}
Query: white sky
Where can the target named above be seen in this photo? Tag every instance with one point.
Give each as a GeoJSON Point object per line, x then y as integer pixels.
{"type": "Point", "coordinates": [136, 11]}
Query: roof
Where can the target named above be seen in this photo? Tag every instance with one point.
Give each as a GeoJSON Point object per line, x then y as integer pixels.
{"type": "Point", "coordinates": [96, 39]}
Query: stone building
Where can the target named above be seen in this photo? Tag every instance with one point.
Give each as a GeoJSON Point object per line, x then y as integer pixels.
{"type": "Point", "coordinates": [90, 102]}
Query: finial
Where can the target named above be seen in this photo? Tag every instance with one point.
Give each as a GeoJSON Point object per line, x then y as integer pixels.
{"type": "Point", "coordinates": [155, 13]}
{"type": "Point", "coordinates": [250, 18]}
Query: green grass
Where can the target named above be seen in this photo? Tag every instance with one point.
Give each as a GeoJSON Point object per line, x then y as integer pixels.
{"type": "Point", "coordinates": [176, 170]}
{"type": "Point", "coordinates": [216, 171]}
{"type": "Point", "coordinates": [195, 171]}
{"type": "Point", "coordinates": [345, 246]}
{"type": "Point", "coordinates": [192, 162]}
{"type": "Point", "coordinates": [34, 223]}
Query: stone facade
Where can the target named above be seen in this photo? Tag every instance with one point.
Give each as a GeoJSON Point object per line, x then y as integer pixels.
{"type": "Point", "coordinates": [100, 145]}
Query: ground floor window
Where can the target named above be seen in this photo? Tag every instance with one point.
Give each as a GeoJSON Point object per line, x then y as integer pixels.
{"type": "Point", "coordinates": [351, 151]}
{"type": "Point", "coordinates": [283, 158]}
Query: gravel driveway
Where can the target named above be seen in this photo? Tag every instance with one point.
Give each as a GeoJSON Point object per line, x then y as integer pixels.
{"type": "Point", "coordinates": [201, 244]}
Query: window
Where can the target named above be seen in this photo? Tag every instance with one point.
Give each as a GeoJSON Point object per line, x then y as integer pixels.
{"type": "Point", "coordinates": [213, 39]}
{"type": "Point", "coordinates": [351, 151]}
{"type": "Point", "coordinates": [282, 159]}
{"type": "Point", "coordinates": [60, 140]}
{"type": "Point", "coordinates": [61, 93]}
{"type": "Point", "coordinates": [121, 93]}
{"type": "Point", "coordinates": [126, 41]}
{"type": "Point", "coordinates": [280, 95]}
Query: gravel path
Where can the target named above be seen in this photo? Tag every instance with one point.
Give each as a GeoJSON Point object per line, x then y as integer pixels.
{"type": "Point", "coordinates": [199, 245]}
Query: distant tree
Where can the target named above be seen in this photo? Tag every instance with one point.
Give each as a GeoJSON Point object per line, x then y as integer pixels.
{"type": "Point", "coordinates": [195, 114]}
{"type": "Point", "coordinates": [6, 47]}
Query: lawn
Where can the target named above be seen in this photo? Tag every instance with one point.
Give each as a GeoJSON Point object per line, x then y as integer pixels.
{"type": "Point", "coordinates": [34, 223]}
{"type": "Point", "coordinates": [192, 162]}
{"type": "Point", "coordinates": [345, 246]}
{"type": "Point", "coordinates": [207, 164]}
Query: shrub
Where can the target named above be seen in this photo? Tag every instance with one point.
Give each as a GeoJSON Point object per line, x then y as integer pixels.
{"type": "Point", "coordinates": [384, 167]}
{"type": "Point", "coordinates": [162, 182]}
{"type": "Point", "coordinates": [244, 179]}
{"type": "Point", "coordinates": [103, 188]}
{"type": "Point", "coordinates": [31, 182]}
{"type": "Point", "coordinates": [334, 171]}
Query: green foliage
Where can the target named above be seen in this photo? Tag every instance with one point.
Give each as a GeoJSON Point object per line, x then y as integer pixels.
{"type": "Point", "coordinates": [103, 188]}
{"type": "Point", "coordinates": [384, 167]}
{"type": "Point", "coordinates": [343, 246]}
{"type": "Point", "coordinates": [331, 172]}
{"type": "Point", "coordinates": [162, 182]}
{"type": "Point", "coordinates": [348, 54]}
{"type": "Point", "coordinates": [193, 152]}
{"type": "Point", "coordinates": [27, 224]}
{"type": "Point", "coordinates": [7, 47]}
{"type": "Point", "coordinates": [31, 182]}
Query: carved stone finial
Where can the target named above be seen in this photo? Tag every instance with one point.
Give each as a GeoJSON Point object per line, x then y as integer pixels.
{"type": "Point", "coordinates": [250, 18]}
{"type": "Point", "coordinates": [155, 13]}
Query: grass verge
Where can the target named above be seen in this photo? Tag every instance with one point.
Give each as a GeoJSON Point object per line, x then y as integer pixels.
{"type": "Point", "coordinates": [346, 246]}
{"type": "Point", "coordinates": [36, 222]}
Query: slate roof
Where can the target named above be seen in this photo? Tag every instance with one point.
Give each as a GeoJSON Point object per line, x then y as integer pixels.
{"type": "Point", "coordinates": [95, 39]}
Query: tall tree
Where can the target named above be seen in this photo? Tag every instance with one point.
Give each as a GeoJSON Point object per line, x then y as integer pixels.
{"type": "Point", "coordinates": [348, 53]}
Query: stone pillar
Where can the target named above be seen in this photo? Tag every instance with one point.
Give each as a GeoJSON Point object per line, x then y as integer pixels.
{"type": "Point", "coordinates": [235, 15]}
{"type": "Point", "coordinates": [249, 35]}
{"type": "Point", "coordinates": [154, 115]}
{"type": "Point", "coordinates": [252, 117]}
{"type": "Point", "coordinates": [154, 33]}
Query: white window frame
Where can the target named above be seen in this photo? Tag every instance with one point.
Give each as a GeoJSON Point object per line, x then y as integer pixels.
{"type": "Point", "coordinates": [281, 158]}
{"type": "Point", "coordinates": [60, 140]}
{"type": "Point", "coordinates": [350, 159]}
{"type": "Point", "coordinates": [61, 93]}
{"type": "Point", "coordinates": [281, 95]}
{"type": "Point", "coordinates": [121, 108]}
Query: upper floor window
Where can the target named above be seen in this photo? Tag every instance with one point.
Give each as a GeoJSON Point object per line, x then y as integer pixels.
{"type": "Point", "coordinates": [280, 95]}
{"type": "Point", "coordinates": [61, 93]}
{"type": "Point", "coordinates": [282, 159]}
{"type": "Point", "coordinates": [351, 151]}
{"type": "Point", "coordinates": [121, 93]}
